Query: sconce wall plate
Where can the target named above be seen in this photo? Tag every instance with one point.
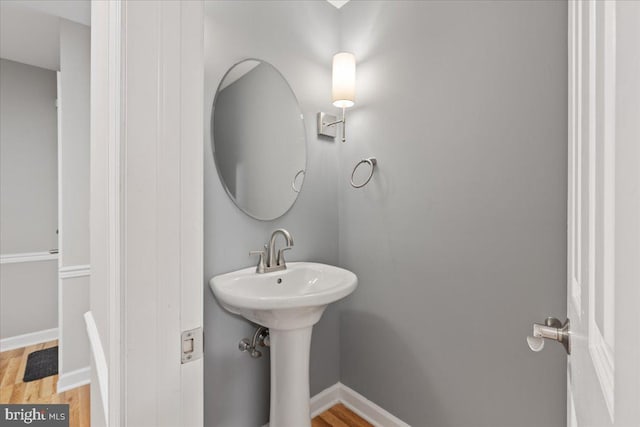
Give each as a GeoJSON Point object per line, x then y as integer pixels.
{"type": "Point", "coordinates": [324, 128]}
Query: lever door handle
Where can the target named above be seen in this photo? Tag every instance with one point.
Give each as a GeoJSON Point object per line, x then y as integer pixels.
{"type": "Point", "coordinates": [552, 329]}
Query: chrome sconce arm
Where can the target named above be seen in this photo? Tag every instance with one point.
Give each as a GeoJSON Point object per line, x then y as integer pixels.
{"type": "Point", "coordinates": [327, 124]}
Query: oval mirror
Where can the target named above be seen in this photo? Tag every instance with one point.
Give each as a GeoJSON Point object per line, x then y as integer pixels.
{"type": "Point", "coordinates": [258, 139]}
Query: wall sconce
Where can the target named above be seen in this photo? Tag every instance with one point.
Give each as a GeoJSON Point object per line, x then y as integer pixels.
{"type": "Point", "coordinates": [343, 91]}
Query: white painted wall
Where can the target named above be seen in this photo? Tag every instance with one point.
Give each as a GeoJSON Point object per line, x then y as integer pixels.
{"type": "Point", "coordinates": [74, 195]}
{"type": "Point", "coordinates": [28, 197]}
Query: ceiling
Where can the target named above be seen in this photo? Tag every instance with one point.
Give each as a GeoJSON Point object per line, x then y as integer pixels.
{"type": "Point", "coordinates": [74, 10]}
{"type": "Point", "coordinates": [338, 3]}
{"type": "Point", "coordinates": [30, 29]}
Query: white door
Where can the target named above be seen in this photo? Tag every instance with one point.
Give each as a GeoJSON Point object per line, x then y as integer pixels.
{"type": "Point", "coordinates": [603, 290]}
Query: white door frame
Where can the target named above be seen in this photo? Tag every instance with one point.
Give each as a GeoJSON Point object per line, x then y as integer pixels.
{"type": "Point", "coordinates": [603, 296]}
{"type": "Point", "coordinates": [147, 215]}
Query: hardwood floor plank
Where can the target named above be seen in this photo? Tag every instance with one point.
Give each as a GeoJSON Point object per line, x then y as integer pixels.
{"type": "Point", "coordinates": [4, 363]}
{"type": "Point", "coordinates": [47, 387]}
{"type": "Point", "coordinates": [349, 417]}
{"type": "Point", "coordinates": [339, 416]}
{"type": "Point", "coordinates": [319, 422]}
{"type": "Point", "coordinates": [5, 394]}
{"type": "Point", "coordinates": [85, 406]}
{"type": "Point", "coordinates": [332, 420]}
{"type": "Point", "coordinates": [31, 392]}
{"type": "Point", "coordinates": [10, 372]}
{"type": "Point", "coordinates": [18, 393]}
{"type": "Point", "coordinates": [10, 354]}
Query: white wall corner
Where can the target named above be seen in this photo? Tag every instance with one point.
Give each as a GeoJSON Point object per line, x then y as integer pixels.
{"type": "Point", "coordinates": [26, 340]}
{"type": "Point", "coordinates": [73, 379]}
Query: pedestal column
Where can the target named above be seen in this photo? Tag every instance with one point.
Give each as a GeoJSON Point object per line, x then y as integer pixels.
{"type": "Point", "coordinates": [290, 377]}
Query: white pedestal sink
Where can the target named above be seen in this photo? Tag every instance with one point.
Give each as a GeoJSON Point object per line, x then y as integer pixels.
{"type": "Point", "coordinates": [288, 302]}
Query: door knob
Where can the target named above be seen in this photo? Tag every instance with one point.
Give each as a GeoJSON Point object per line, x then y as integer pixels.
{"type": "Point", "coordinates": [552, 329]}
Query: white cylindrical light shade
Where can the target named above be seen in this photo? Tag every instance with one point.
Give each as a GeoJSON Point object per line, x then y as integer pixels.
{"type": "Point", "coordinates": [344, 79]}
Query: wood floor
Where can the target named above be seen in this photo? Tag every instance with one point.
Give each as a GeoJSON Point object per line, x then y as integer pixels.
{"type": "Point", "coordinates": [339, 416]}
{"type": "Point", "coordinates": [13, 390]}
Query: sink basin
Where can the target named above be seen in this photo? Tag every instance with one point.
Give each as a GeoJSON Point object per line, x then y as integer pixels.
{"type": "Point", "coordinates": [288, 302]}
{"type": "Point", "coordinates": [286, 299]}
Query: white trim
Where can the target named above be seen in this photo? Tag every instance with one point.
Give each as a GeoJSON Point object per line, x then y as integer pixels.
{"type": "Point", "coordinates": [368, 410]}
{"type": "Point", "coordinates": [572, 417]}
{"type": "Point", "coordinates": [576, 143]}
{"type": "Point", "coordinates": [600, 349]}
{"type": "Point", "coordinates": [113, 385]}
{"type": "Point", "coordinates": [102, 371]}
{"type": "Point", "coordinates": [74, 379]}
{"type": "Point", "coordinates": [191, 201]}
{"type": "Point", "coordinates": [360, 405]}
{"type": "Point", "coordinates": [325, 399]}
{"type": "Point", "coordinates": [75, 271]}
{"type": "Point", "coordinates": [602, 358]}
{"type": "Point", "coordinates": [60, 239]}
{"type": "Point", "coordinates": [25, 340]}
{"type": "Point", "coordinates": [60, 169]}
{"type": "Point", "coordinates": [27, 257]}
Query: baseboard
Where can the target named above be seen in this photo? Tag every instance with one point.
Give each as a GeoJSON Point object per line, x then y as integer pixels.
{"type": "Point", "coordinates": [325, 399]}
{"type": "Point", "coordinates": [25, 340]}
{"type": "Point", "coordinates": [74, 379]}
{"type": "Point", "coordinates": [369, 411]}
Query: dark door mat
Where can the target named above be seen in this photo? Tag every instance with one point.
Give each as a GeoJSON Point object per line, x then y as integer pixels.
{"type": "Point", "coordinates": [41, 364]}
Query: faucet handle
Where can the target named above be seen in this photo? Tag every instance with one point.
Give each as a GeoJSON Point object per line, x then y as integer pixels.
{"type": "Point", "coordinates": [280, 257]}
{"type": "Point", "coordinates": [260, 267]}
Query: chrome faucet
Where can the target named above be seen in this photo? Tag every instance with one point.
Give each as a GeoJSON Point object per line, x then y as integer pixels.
{"type": "Point", "coordinates": [273, 262]}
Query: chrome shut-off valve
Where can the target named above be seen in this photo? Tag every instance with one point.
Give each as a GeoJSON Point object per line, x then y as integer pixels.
{"type": "Point", "coordinates": [260, 338]}
{"type": "Point", "coordinates": [552, 329]}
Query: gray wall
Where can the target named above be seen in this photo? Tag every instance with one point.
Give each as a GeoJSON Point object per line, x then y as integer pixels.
{"type": "Point", "coordinates": [75, 65]}
{"type": "Point", "coordinates": [459, 241]}
{"type": "Point", "coordinates": [28, 197]}
{"type": "Point", "coordinates": [28, 297]}
{"type": "Point", "coordinates": [74, 191]}
{"type": "Point", "coordinates": [298, 38]}
{"type": "Point", "coordinates": [29, 156]}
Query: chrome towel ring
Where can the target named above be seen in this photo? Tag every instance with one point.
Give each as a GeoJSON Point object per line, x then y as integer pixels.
{"type": "Point", "coordinates": [371, 161]}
